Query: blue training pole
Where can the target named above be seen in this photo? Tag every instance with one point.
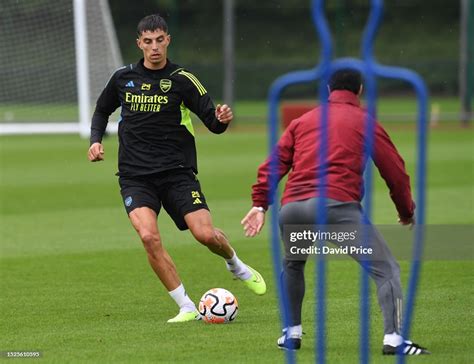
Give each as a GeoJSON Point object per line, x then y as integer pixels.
{"type": "Point", "coordinates": [370, 68]}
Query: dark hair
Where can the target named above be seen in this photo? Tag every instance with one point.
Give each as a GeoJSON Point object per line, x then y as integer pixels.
{"type": "Point", "coordinates": [151, 23]}
{"type": "Point", "coordinates": [346, 79]}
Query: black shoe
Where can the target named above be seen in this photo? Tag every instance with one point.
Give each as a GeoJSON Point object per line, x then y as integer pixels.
{"type": "Point", "coordinates": [289, 343]}
{"type": "Point", "coordinates": [407, 348]}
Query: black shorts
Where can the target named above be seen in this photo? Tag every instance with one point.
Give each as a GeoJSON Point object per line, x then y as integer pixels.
{"type": "Point", "coordinates": [178, 190]}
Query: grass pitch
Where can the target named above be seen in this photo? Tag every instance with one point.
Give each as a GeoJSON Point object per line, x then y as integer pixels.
{"type": "Point", "coordinates": [76, 284]}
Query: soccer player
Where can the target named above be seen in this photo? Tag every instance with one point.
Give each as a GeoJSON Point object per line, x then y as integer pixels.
{"type": "Point", "coordinates": [297, 151]}
{"type": "Point", "coordinates": [157, 156]}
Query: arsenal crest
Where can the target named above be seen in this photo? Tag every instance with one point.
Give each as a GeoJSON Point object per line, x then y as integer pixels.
{"type": "Point", "coordinates": [165, 85]}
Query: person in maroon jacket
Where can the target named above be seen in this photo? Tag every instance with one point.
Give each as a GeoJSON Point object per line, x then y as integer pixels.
{"type": "Point", "coordinates": [297, 152]}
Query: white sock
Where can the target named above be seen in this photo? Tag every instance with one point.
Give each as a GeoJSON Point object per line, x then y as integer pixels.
{"type": "Point", "coordinates": [182, 299]}
{"type": "Point", "coordinates": [238, 268]}
{"type": "Point", "coordinates": [295, 331]}
{"type": "Point", "coordinates": [392, 339]}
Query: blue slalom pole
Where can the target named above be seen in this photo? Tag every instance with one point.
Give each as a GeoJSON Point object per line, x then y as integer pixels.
{"type": "Point", "coordinates": [370, 68]}
{"type": "Point", "coordinates": [321, 214]}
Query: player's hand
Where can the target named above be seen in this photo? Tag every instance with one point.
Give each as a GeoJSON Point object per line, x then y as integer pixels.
{"type": "Point", "coordinates": [253, 222]}
{"type": "Point", "coordinates": [96, 152]}
{"type": "Point", "coordinates": [224, 113]}
{"type": "Point", "coordinates": [410, 221]}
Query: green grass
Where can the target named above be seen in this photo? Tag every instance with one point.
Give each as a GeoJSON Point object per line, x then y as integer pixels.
{"type": "Point", "coordinates": [76, 284]}
{"type": "Point", "coordinates": [38, 113]}
{"type": "Point", "coordinates": [246, 111]}
{"type": "Point", "coordinates": [389, 109]}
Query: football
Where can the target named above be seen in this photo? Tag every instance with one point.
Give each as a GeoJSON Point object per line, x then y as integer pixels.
{"type": "Point", "coordinates": [218, 306]}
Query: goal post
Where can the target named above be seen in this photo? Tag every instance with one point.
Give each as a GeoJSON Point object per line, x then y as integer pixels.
{"type": "Point", "coordinates": [82, 65]}
{"type": "Point", "coordinates": [57, 56]}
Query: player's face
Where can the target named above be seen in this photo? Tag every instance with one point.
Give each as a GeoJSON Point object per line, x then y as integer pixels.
{"type": "Point", "coordinates": [154, 45]}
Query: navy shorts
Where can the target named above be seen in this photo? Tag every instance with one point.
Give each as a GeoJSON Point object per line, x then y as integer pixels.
{"type": "Point", "coordinates": [178, 190]}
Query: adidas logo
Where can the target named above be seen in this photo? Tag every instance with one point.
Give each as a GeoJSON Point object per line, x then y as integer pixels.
{"type": "Point", "coordinates": [197, 201]}
{"type": "Point", "coordinates": [130, 84]}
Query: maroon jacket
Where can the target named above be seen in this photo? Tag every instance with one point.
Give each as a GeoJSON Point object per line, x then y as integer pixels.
{"type": "Point", "coordinates": [298, 147]}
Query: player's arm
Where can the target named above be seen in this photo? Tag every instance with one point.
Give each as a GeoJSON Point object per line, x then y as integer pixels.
{"type": "Point", "coordinates": [392, 169]}
{"type": "Point", "coordinates": [107, 103]}
{"type": "Point", "coordinates": [196, 99]}
{"type": "Point", "coordinates": [255, 219]}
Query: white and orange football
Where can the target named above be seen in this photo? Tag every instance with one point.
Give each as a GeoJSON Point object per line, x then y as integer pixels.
{"type": "Point", "coordinates": [218, 306]}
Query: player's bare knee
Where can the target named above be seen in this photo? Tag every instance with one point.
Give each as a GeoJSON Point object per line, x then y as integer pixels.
{"type": "Point", "coordinates": [150, 240]}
